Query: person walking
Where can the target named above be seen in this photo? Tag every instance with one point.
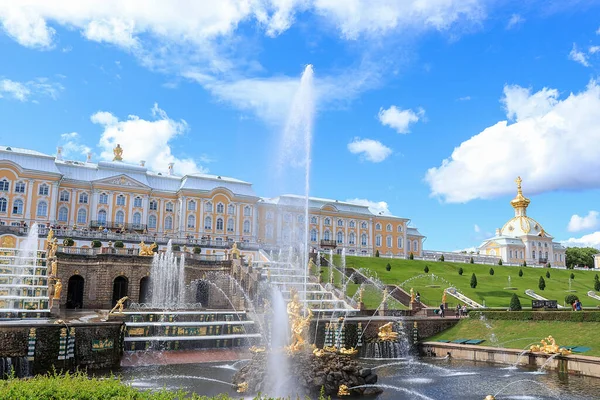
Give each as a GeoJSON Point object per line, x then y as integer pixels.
{"type": "Point", "coordinates": [418, 298]}
{"type": "Point", "coordinates": [442, 310]}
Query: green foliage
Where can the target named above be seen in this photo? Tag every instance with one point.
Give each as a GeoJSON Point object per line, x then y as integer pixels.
{"type": "Point", "coordinates": [491, 271]}
{"type": "Point", "coordinates": [155, 249]}
{"type": "Point", "coordinates": [566, 316]}
{"type": "Point", "coordinates": [596, 277]}
{"type": "Point", "coordinates": [460, 271]}
{"type": "Point", "coordinates": [197, 249]}
{"type": "Point", "coordinates": [471, 261]}
{"type": "Point", "coordinates": [442, 258]}
{"type": "Point", "coordinates": [548, 265]}
{"type": "Point", "coordinates": [515, 303]}
{"type": "Point", "coordinates": [524, 263]}
{"type": "Point", "coordinates": [473, 281]}
{"type": "Point", "coordinates": [570, 298]}
{"type": "Point", "coordinates": [376, 253]}
{"type": "Point", "coordinates": [542, 283]}
{"type": "Point", "coordinates": [426, 269]}
{"type": "Point", "coordinates": [176, 247]}
{"type": "Point", "coordinates": [580, 256]}
{"type": "Point", "coordinates": [68, 242]}
{"type": "Point", "coordinates": [388, 267]}
{"type": "Point", "coordinates": [500, 262]}
{"type": "Point", "coordinates": [119, 244]}
{"type": "Point", "coordinates": [572, 276]}
{"type": "Point", "coordinates": [597, 286]}
{"type": "Point", "coordinates": [96, 243]}
{"type": "Point", "coordinates": [520, 273]}
{"type": "Point", "coordinates": [548, 274]}
{"type": "Point", "coordinates": [411, 256]}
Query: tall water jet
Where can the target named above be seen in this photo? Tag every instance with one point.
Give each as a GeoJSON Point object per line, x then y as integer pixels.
{"type": "Point", "coordinates": [277, 365]}
{"type": "Point", "coordinates": [167, 280]}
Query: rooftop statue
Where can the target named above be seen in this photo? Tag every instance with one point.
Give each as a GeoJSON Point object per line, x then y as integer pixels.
{"type": "Point", "coordinates": [118, 152]}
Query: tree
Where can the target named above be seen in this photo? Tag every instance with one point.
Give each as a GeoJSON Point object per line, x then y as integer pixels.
{"type": "Point", "coordinates": [596, 277]}
{"type": "Point", "coordinates": [68, 242]}
{"type": "Point", "coordinates": [426, 269]}
{"type": "Point", "coordinates": [548, 274]}
{"type": "Point", "coordinates": [500, 262]}
{"type": "Point", "coordinates": [197, 250]}
{"type": "Point", "coordinates": [542, 283]}
{"type": "Point", "coordinates": [471, 261]}
{"type": "Point", "coordinates": [548, 265]}
{"type": "Point", "coordinates": [411, 256]}
{"type": "Point", "coordinates": [491, 271]}
{"type": "Point", "coordinates": [119, 244]}
{"type": "Point", "coordinates": [460, 271]}
{"type": "Point", "coordinates": [376, 253]}
{"type": "Point", "coordinates": [520, 273]}
{"type": "Point", "coordinates": [473, 281]}
{"type": "Point", "coordinates": [96, 243]}
{"type": "Point", "coordinates": [442, 258]}
{"type": "Point", "coordinates": [571, 298]}
{"type": "Point", "coordinates": [388, 267]}
{"type": "Point", "coordinates": [572, 275]}
{"type": "Point", "coordinates": [176, 247]}
{"type": "Point", "coordinates": [515, 303]}
{"type": "Point", "coordinates": [524, 263]}
{"type": "Point", "coordinates": [580, 256]}
{"type": "Point", "coordinates": [597, 286]}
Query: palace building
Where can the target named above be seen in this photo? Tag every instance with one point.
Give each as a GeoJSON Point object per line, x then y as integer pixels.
{"type": "Point", "coordinates": [522, 239]}
{"type": "Point", "coordinates": [117, 197]}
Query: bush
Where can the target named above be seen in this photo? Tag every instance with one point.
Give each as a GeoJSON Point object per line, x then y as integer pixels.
{"type": "Point", "coordinates": [597, 286]}
{"type": "Point", "coordinates": [96, 243]}
{"type": "Point", "coordinates": [411, 256]}
{"type": "Point", "coordinates": [442, 258]}
{"type": "Point", "coordinates": [471, 261]}
{"type": "Point", "coordinates": [548, 274]}
{"type": "Point", "coordinates": [570, 298]}
{"type": "Point", "coordinates": [388, 267]}
{"type": "Point", "coordinates": [376, 253]}
{"type": "Point", "coordinates": [460, 271]}
{"type": "Point", "coordinates": [548, 265]}
{"type": "Point", "coordinates": [542, 283]}
{"type": "Point", "coordinates": [596, 277]}
{"type": "Point", "coordinates": [572, 275]}
{"type": "Point", "coordinates": [556, 315]}
{"type": "Point", "coordinates": [491, 271]}
{"type": "Point", "coordinates": [68, 242]}
{"type": "Point", "coordinates": [197, 250]}
{"type": "Point", "coordinates": [473, 281]}
{"type": "Point", "coordinates": [500, 262]}
{"type": "Point", "coordinates": [155, 249]}
{"type": "Point", "coordinates": [176, 247]}
{"type": "Point", "coordinates": [524, 263]}
{"type": "Point", "coordinates": [426, 269]}
{"type": "Point", "coordinates": [520, 273]}
{"type": "Point", "coordinates": [515, 303]}
{"type": "Point", "coordinates": [119, 244]}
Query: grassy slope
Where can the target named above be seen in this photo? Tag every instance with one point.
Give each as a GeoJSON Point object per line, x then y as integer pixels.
{"type": "Point", "coordinates": [489, 289]}
{"type": "Point", "coordinates": [520, 334]}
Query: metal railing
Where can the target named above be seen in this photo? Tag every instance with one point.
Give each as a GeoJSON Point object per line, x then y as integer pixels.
{"type": "Point", "coordinates": [117, 225]}
{"type": "Point", "coordinates": [92, 251]}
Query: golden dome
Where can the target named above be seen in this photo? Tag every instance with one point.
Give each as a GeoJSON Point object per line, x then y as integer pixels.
{"type": "Point", "coordinates": [520, 201]}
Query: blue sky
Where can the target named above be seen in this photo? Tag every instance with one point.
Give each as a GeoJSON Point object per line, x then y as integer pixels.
{"type": "Point", "coordinates": [433, 107]}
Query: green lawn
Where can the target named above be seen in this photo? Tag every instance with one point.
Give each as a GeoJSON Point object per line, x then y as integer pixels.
{"type": "Point", "coordinates": [521, 334]}
{"type": "Point", "coordinates": [490, 289]}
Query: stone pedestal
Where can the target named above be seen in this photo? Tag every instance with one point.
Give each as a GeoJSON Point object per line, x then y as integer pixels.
{"type": "Point", "coordinates": [413, 305]}
{"type": "Point", "coordinates": [116, 317]}
{"type": "Point", "coordinates": [361, 306]}
{"type": "Point", "coordinates": [55, 309]}
{"type": "Point", "coordinates": [383, 309]}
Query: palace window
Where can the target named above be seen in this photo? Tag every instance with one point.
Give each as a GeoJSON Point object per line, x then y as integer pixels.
{"type": "Point", "coordinates": [220, 208]}
{"type": "Point", "coordinates": [208, 223]}
{"type": "Point", "coordinates": [20, 187]}
{"type": "Point", "coordinates": [219, 224]}
{"type": "Point", "coordinates": [408, 245]}
{"type": "Point", "coordinates": [42, 209]}
{"type": "Point", "coordinates": [83, 198]}
{"type": "Point", "coordinates": [510, 254]}
{"type": "Point", "coordinates": [3, 205]}
{"type": "Point", "coordinates": [340, 222]}
{"type": "Point", "coordinates": [388, 241]}
{"type": "Point", "coordinates": [269, 231]}
{"type": "Point", "coordinates": [169, 207]}
{"type": "Point", "coordinates": [399, 242]}
{"type": "Point", "coordinates": [43, 190]}
{"type": "Point", "coordinates": [191, 205]}
{"type": "Point", "coordinates": [247, 211]}
{"type": "Point", "coordinates": [388, 227]}
{"type": "Point", "coordinates": [546, 255]}
{"type": "Point", "coordinates": [378, 240]}
{"type": "Point", "coordinates": [81, 216]}
{"type": "Point", "coordinates": [63, 214]}
{"type": "Point", "coordinates": [533, 254]}
{"type": "Point", "coordinates": [399, 228]}
{"type": "Point", "coordinates": [137, 218]}
{"type": "Point", "coordinates": [153, 205]}
{"type": "Point", "coordinates": [219, 240]}
{"type": "Point", "coordinates": [152, 222]}
{"type": "Point", "coordinates": [209, 207]}
{"type": "Point", "coordinates": [246, 226]}
{"type": "Point", "coordinates": [340, 237]}
{"type": "Point", "coordinates": [168, 223]}
{"type": "Point", "coordinates": [363, 225]}
{"type": "Point", "coordinates": [4, 185]}
{"type": "Point", "coordinates": [137, 202]}
{"type": "Point", "coordinates": [313, 235]}
{"type": "Point", "coordinates": [103, 198]}
{"type": "Point", "coordinates": [363, 239]}
{"type": "Point", "coordinates": [313, 220]}
{"type": "Point", "coordinates": [327, 221]}
{"type": "Point", "coordinates": [191, 222]}
{"type": "Point", "coordinates": [378, 226]}
{"type": "Point", "coordinates": [120, 200]}
{"type": "Point", "coordinates": [231, 209]}
{"type": "Point", "coordinates": [352, 224]}
{"type": "Point", "coordinates": [561, 257]}
{"type": "Point", "coordinates": [18, 207]}
{"type": "Point", "coordinates": [415, 246]}
{"type": "Point", "coordinates": [351, 238]}
{"type": "Point", "coordinates": [101, 216]}
{"type": "Point", "coordinates": [64, 196]}
{"type": "Point", "coordinates": [230, 225]}
{"type": "Point", "coordinates": [326, 236]}
{"type": "Point", "coordinates": [120, 217]}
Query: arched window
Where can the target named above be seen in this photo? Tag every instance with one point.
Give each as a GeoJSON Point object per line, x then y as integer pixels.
{"type": "Point", "coordinates": [327, 221]}
{"type": "Point", "coordinates": [269, 231]}
{"type": "Point", "coordinates": [64, 196]}
{"type": "Point", "coordinates": [378, 226]}
{"type": "Point", "coordinates": [43, 190]}
{"type": "Point", "coordinates": [511, 254]}
{"type": "Point", "coordinates": [120, 200]}
{"type": "Point", "coordinates": [408, 245]}
{"type": "Point", "coordinates": [18, 207]}
{"type": "Point", "coordinates": [191, 222]}
{"type": "Point", "coordinates": [153, 205]}
{"type": "Point", "coordinates": [247, 211]}
{"type": "Point", "coordinates": [415, 246]}
{"type": "Point", "coordinates": [340, 222]}
{"type": "Point", "coordinates": [103, 198]}
{"type": "Point", "coordinates": [208, 206]}
{"type": "Point", "coordinates": [326, 235]}
{"type": "Point", "coordinates": [399, 242]}
{"type": "Point", "coordinates": [313, 235]}
{"type": "Point", "coordinates": [313, 220]}
{"type": "Point", "coordinates": [230, 225]}
{"type": "Point", "coordinates": [246, 226]}
{"type": "Point", "coordinates": [208, 223]}
{"type": "Point", "coordinates": [83, 198]}
{"type": "Point", "coordinates": [352, 224]}
{"type": "Point", "coordinates": [363, 225]}
{"type": "Point", "coordinates": [102, 216]}
{"type": "Point", "coordinates": [3, 205]}
{"type": "Point", "coordinates": [169, 207]}
{"type": "Point", "coordinates": [388, 241]}
{"type": "Point", "coordinates": [42, 209]}
{"type": "Point", "coordinates": [378, 240]}
{"type": "Point", "coordinates": [81, 216]}
{"type": "Point", "coordinates": [399, 228]}
{"type": "Point", "coordinates": [137, 202]}
{"type": "Point", "coordinates": [546, 255]}
{"type": "Point", "coordinates": [340, 237]}
{"type": "Point", "coordinates": [137, 218]}
{"type": "Point", "coordinates": [363, 239]}
{"type": "Point", "coordinates": [231, 209]}
{"type": "Point", "coordinates": [533, 254]}
{"type": "Point", "coordinates": [120, 217]}
{"type": "Point", "coordinates": [152, 222]}
{"type": "Point", "coordinates": [220, 208]}
{"type": "Point", "coordinates": [4, 185]}
{"type": "Point", "coordinates": [351, 238]}
{"type": "Point", "coordinates": [388, 227]}
{"type": "Point", "coordinates": [63, 214]}
{"type": "Point", "coordinates": [168, 222]}
{"type": "Point", "coordinates": [219, 224]}
{"type": "Point", "coordinates": [191, 205]}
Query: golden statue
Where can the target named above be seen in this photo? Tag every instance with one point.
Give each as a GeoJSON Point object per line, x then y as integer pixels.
{"type": "Point", "coordinates": [489, 397]}
{"type": "Point", "coordinates": [318, 352]}
{"type": "Point", "coordinates": [146, 250]}
{"type": "Point", "coordinates": [235, 253]}
{"type": "Point", "coordinates": [52, 247]}
{"type": "Point", "coordinates": [120, 304]}
{"type": "Point", "coordinates": [385, 295]}
{"type": "Point", "coordinates": [50, 235]}
{"type": "Point", "coordinates": [312, 266]}
{"type": "Point", "coordinates": [298, 323]}
{"type": "Point", "coordinates": [118, 152]}
{"type": "Point", "coordinates": [360, 294]}
{"type": "Point", "coordinates": [348, 352]}
{"type": "Point", "coordinates": [54, 268]}
{"type": "Point", "coordinates": [255, 349]}
{"type": "Point", "coordinates": [57, 289]}
{"type": "Point", "coordinates": [386, 333]}
{"type": "Point", "coordinates": [343, 391]}
{"type": "Point", "coordinates": [242, 387]}
{"type": "Point", "coordinates": [444, 297]}
{"type": "Point", "coordinates": [412, 295]}
{"type": "Point", "coordinates": [549, 346]}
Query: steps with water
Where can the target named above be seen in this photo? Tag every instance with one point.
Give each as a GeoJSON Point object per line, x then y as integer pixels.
{"type": "Point", "coordinates": [593, 295]}
{"type": "Point", "coordinates": [536, 296]}
{"type": "Point", "coordinates": [462, 298]}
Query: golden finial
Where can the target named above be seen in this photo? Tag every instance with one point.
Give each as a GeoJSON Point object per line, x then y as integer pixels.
{"type": "Point", "coordinates": [520, 202]}
{"type": "Point", "coordinates": [518, 182]}
{"type": "Point", "coordinates": [118, 152]}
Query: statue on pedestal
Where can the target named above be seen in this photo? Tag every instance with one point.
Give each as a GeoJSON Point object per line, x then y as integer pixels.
{"type": "Point", "coordinates": [412, 295]}
{"type": "Point", "coordinates": [386, 332]}
{"type": "Point", "coordinates": [444, 297]}
{"type": "Point", "coordinates": [120, 304]}
{"type": "Point", "coordinates": [298, 323]}
{"type": "Point", "coordinates": [57, 289]}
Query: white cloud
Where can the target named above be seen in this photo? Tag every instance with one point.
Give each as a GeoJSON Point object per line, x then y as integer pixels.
{"type": "Point", "coordinates": [476, 228]}
{"type": "Point", "coordinates": [30, 90]}
{"type": "Point", "coordinates": [590, 240]}
{"type": "Point", "coordinates": [588, 222]}
{"type": "Point", "coordinates": [376, 207]}
{"type": "Point", "coordinates": [579, 56]}
{"type": "Point", "coordinates": [465, 98]}
{"type": "Point", "coordinates": [548, 145]}
{"type": "Point", "coordinates": [371, 150]}
{"type": "Point", "coordinates": [147, 140]}
{"type": "Point", "coordinates": [71, 145]}
{"type": "Point", "coordinates": [399, 119]}
{"type": "Point", "coordinates": [514, 21]}
{"type": "Point", "coordinates": [594, 49]}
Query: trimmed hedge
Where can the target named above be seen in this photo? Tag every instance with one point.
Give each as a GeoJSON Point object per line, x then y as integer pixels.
{"type": "Point", "coordinates": [567, 316]}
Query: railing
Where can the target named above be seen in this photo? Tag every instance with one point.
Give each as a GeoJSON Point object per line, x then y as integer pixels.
{"type": "Point", "coordinates": [117, 225]}
{"type": "Point", "coordinates": [92, 251]}
{"type": "Point", "coordinates": [328, 243]}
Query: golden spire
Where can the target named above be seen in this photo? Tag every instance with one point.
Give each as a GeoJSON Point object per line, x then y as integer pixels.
{"type": "Point", "coordinates": [520, 202]}
{"type": "Point", "coordinates": [118, 152]}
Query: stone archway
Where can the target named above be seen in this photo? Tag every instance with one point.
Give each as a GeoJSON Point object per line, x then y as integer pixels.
{"type": "Point", "coordinates": [144, 290]}
{"type": "Point", "coordinates": [202, 293]}
{"type": "Point", "coordinates": [75, 292]}
{"type": "Point", "coordinates": [120, 289]}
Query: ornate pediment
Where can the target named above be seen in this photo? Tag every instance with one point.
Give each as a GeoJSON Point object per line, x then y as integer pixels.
{"type": "Point", "coordinates": [121, 180]}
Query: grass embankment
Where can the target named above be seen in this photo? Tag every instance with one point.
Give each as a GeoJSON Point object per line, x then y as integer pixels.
{"type": "Point", "coordinates": [520, 334]}
{"type": "Point", "coordinates": [490, 288]}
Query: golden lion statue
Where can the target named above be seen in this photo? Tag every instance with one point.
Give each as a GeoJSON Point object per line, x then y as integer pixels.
{"type": "Point", "coordinates": [146, 250]}
{"type": "Point", "coordinates": [386, 332]}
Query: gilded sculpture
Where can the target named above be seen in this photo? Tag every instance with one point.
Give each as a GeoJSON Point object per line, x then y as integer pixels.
{"type": "Point", "coordinates": [343, 391]}
{"type": "Point", "coordinates": [549, 346]}
{"type": "Point", "coordinates": [412, 295]}
{"type": "Point", "coordinates": [242, 387]}
{"type": "Point", "coordinates": [444, 297]}
{"type": "Point", "coordinates": [235, 253]}
{"type": "Point", "coordinates": [298, 322]}
{"type": "Point", "coordinates": [118, 152]}
{"type": "Point", "coordinates": [386, 333]}
{"type": "Point", "coordinates": [360, 294]}
{"type": "Point", "coordinates": [146, 250]}
{"type": "Point", "coordinates": [54, 268]}
{"type": "Point", "coordinates": [57, 289]}
{"type": "Point", "coordinates": [120, 304]}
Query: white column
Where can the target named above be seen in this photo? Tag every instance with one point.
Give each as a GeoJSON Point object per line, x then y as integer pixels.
{"type": "Point", "coordinates": [404, 244]}
{"type": "Point", "coordinates": [160, 215]}
{"type": "Point", "coordinates": [94, 208]}
{"type": "Point", "coordinates": [29, 199]}
{"type": "Point", "coordinates": [130, 198]}
{"type": "Point", "coordinates": [73, 218]}
{"type": "Point", "coordinates": [182, 212]}
{"type": "Point", "coordinates": [254, 226]}
{"type": "Point", "coordinates": [201, 222]}
{"type": "Point", "coordinates": [53, 202]}
{"type": "Point", "coordinates": [109, 216]}
{"type": "Point", "coordinates": [145, 207]}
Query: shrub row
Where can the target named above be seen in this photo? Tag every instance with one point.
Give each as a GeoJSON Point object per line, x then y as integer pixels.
{"type": "Point", "coordinates": [567, 316]}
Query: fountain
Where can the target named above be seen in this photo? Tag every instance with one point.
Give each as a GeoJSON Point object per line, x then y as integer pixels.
{"type": "Point", "coordinates": [167, 289]}
{"type": "Point", "coordinates": [510, 287]}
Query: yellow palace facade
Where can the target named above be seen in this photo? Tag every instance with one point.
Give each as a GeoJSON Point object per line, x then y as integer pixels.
{"type": "Point", "coordinates": [130, 199]}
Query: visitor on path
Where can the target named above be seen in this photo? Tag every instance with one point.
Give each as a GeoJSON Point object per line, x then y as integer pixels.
{"type": "Point", "coordinates": [418, 298]}
{"type": "Point", "coordinates": [578, 306]}
{"type": "Point", "coordinates": [458, 310]}
{"type": "Point", "coordinates": [442, 310]}
{"type": "Point", "coordinates": [464, 310]}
